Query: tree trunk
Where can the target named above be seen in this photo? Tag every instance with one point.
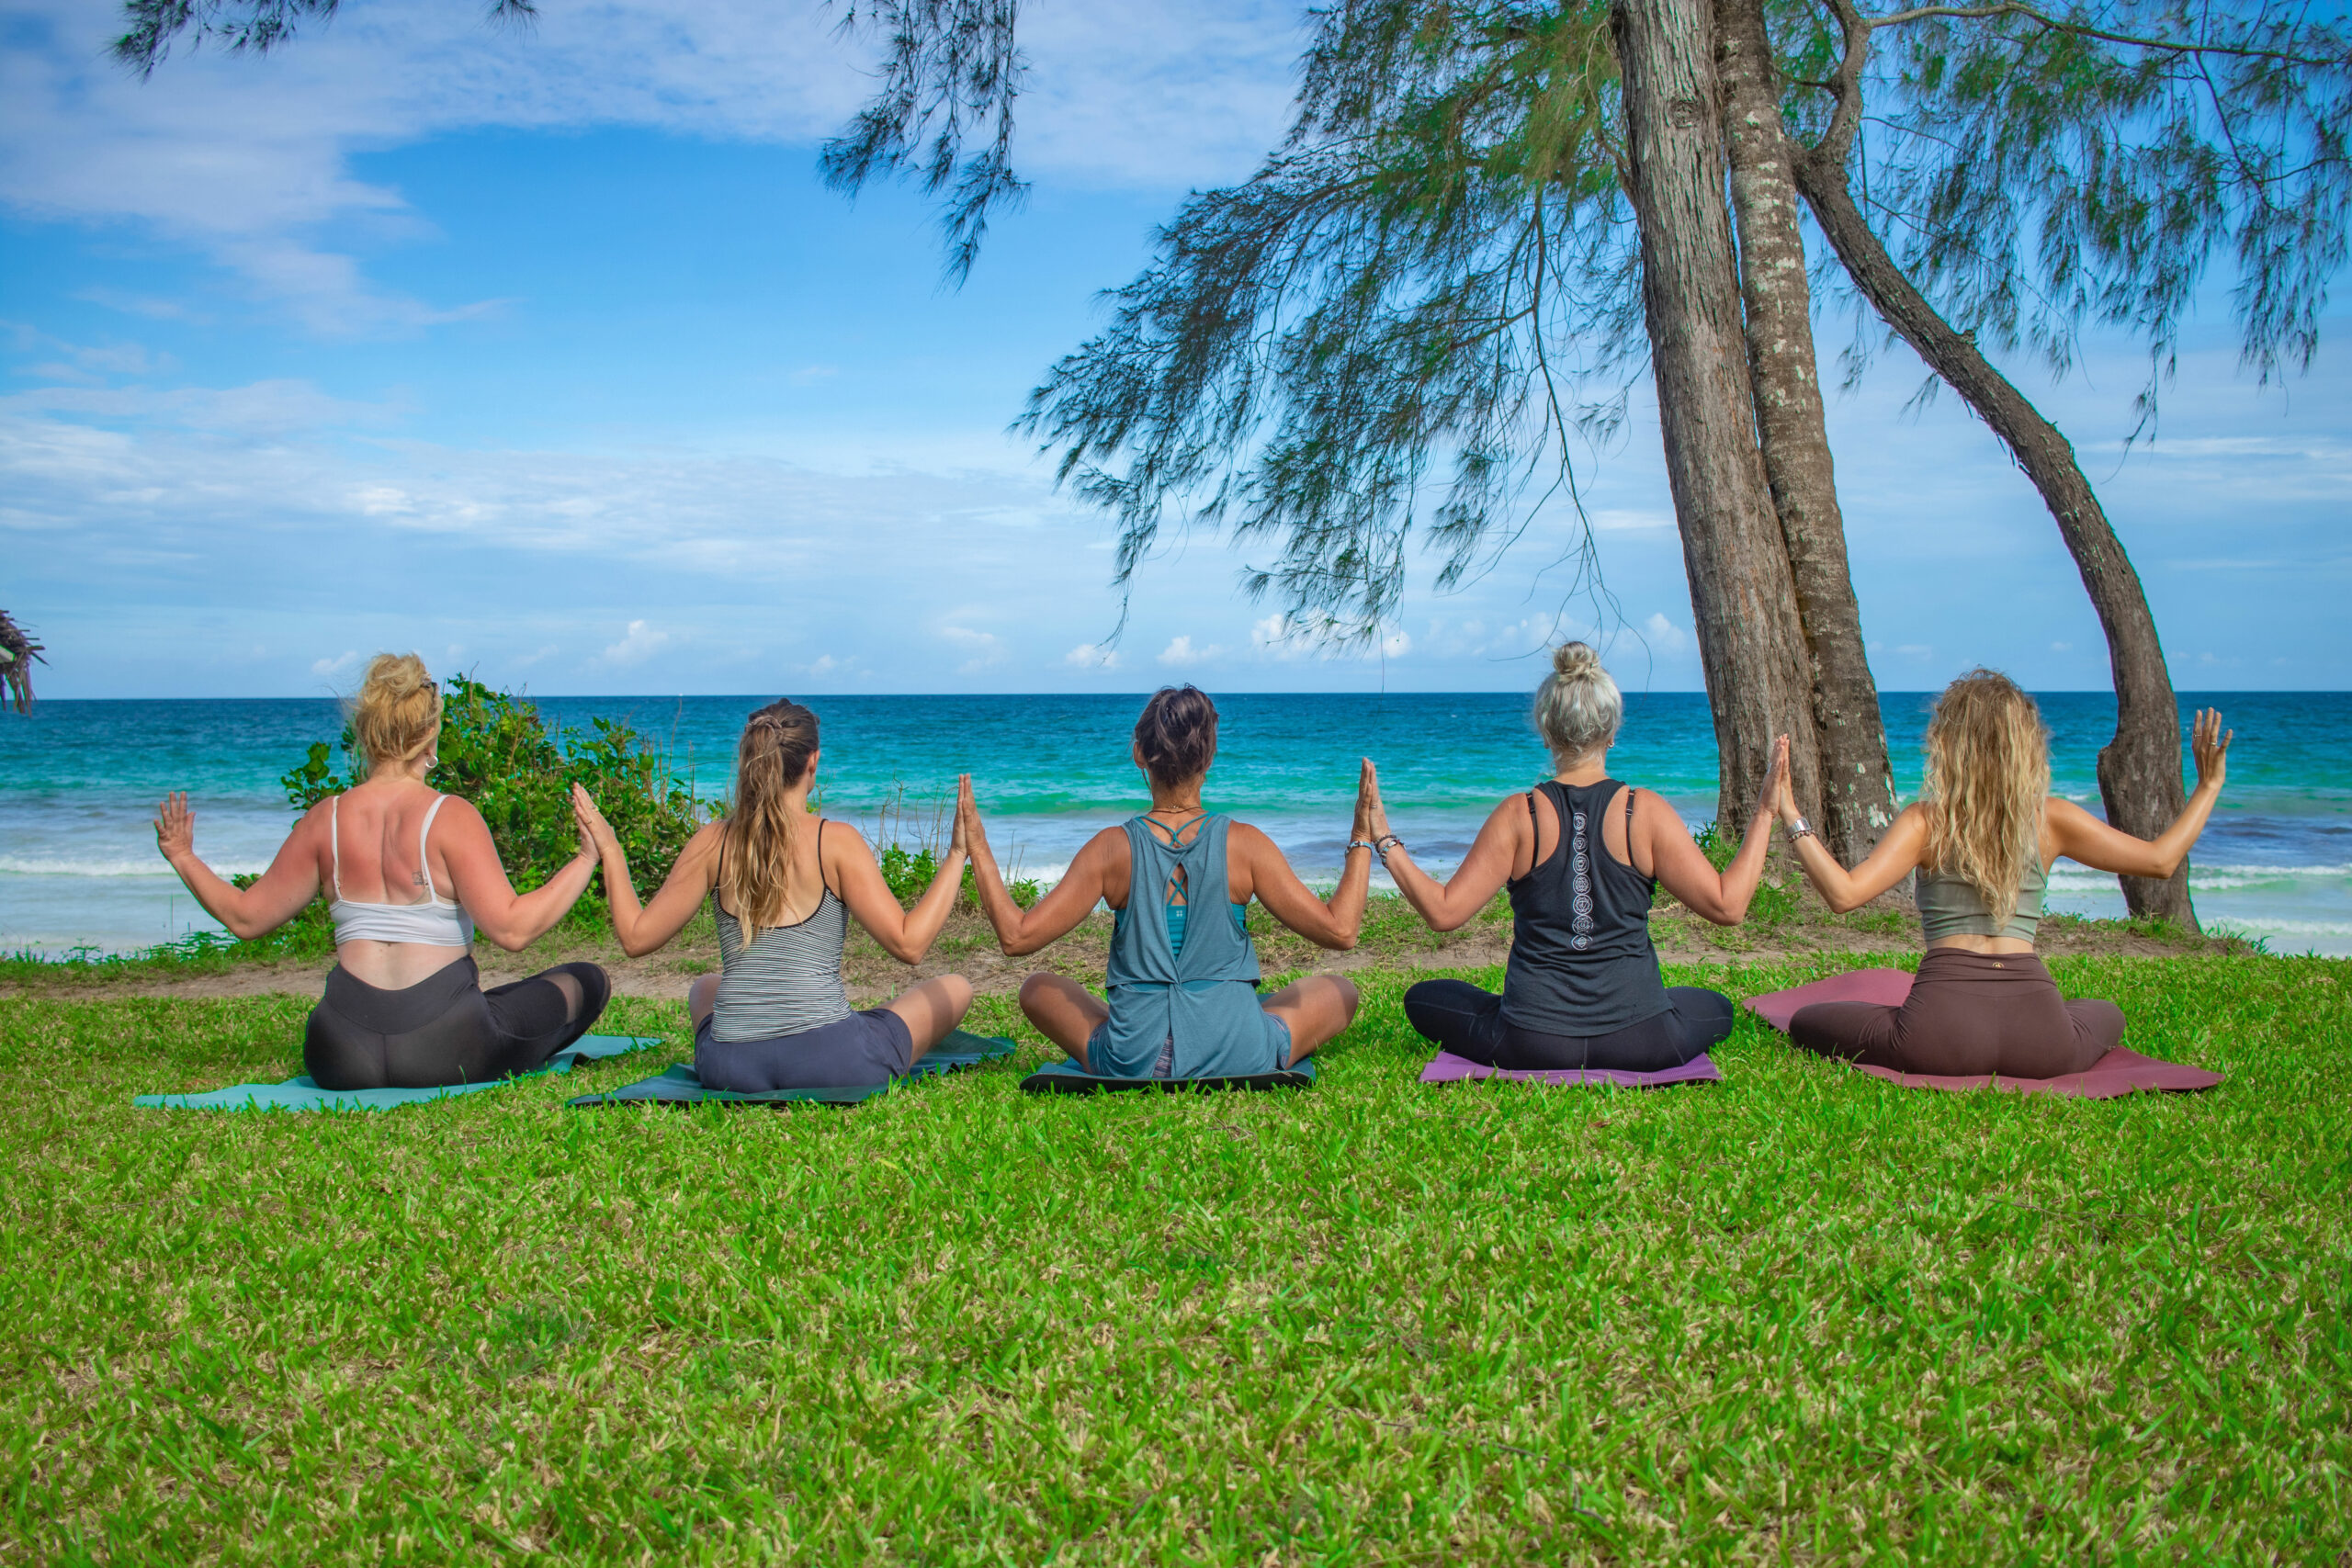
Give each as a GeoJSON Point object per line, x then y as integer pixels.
{"type": "Point", "coordinates": [1858, 784]}
{"type": "Point", "coordinates": [2139, 771]}
{"type": "Point", "coordinates": [1742, 594]}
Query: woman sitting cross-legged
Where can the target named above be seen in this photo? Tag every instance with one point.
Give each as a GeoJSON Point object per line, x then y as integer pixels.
{"type": "Point", "coordinates": [1582, 855]}
{"type": "Point", "coordinates": [1982, 839]}
{"type": "Point", "coordinates": [1184, 975]}
{"type": "Point", "coordinates": [781, 890]}
{"type": "Point", "coordinates": [404, 1007]}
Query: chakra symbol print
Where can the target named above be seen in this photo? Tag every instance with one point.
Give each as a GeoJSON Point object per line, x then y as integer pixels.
{"type": "Point", "coordinates": [1579, 889]}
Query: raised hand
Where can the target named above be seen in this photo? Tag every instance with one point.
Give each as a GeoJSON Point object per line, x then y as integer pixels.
{"type": "Point", "coordinates": [1372, 817]}
{"type": "Point", "coordinates": [175, 827]}
{"type": "Point", "coordinates": [596, 835]}
{"type": "Point", "coordinates": [959, 838]}
{"type": "Point", "coordinates": [1779, 797]}
{"type": "Point", "coordinates": [2209, 744]}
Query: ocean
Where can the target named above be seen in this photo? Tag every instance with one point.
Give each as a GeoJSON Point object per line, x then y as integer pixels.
{"type": "Point", "coordinates": [79, 782]}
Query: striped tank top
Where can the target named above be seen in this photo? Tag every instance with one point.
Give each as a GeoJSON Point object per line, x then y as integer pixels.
{"type": "Point", "coordinates": [787, 980]}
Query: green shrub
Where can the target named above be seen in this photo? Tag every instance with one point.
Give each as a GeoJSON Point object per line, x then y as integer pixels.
{"type": "Point", "coordinates": [908, 871]}
{"type": "Point", "coordinates": [499, 753]}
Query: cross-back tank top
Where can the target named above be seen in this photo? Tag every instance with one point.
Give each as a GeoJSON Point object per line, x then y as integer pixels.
{"type": "Point", "coordinates": [1948, 906]}
{"type": "Point", "coordinates": [787, 980]}
{"type": "Point", "coordinates": [436, 922]}
{"type": "Point", "coordinates": [1193, 1002]}
{"type": "Point", "coordinates": [1581, 963]}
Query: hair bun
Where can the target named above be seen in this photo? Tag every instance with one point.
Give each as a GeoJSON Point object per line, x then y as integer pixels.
{"type": "Point", "coordinates": [1574, 659]}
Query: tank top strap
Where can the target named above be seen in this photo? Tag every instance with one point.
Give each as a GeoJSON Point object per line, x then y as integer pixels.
{"type": "Point", "coordinates": [424, 866]}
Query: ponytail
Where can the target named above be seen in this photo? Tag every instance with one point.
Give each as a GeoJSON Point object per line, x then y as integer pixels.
{"type": "Point", "coordinates": [763, 827]}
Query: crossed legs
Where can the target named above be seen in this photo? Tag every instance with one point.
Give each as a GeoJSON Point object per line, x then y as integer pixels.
{"type": "Point", "coordinates": [1315, 1010]}
{"type": "Point", "coordinates": [930, 1009]}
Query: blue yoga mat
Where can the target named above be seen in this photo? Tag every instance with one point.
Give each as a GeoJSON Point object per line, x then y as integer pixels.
{"type": "Point", "coordinates": [681, 1086]}
{"type": "Point", "coordinates": [1069, 1077]}
{"type": "Point", "coordinates": [301, 1094]}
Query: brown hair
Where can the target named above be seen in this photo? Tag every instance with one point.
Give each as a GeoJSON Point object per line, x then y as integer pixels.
{"type": "Point", "coordinates": [1177, 734]}
{"type": "Point", "coordinates": [763, 827]}
{"type": "Point", "coordinates": [1988, 775]}
{"type": "Point", "coordinates": [396, 714]}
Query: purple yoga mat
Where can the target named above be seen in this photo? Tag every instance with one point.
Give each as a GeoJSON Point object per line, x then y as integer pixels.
{"type": "Point", "coordinates": [2118, 1072]}
{"type": "Point", "coordinates": [1447, 1068]}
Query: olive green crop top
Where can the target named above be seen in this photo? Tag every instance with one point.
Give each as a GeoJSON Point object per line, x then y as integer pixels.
{"type": "Point", "coordinates": [1948, 906]}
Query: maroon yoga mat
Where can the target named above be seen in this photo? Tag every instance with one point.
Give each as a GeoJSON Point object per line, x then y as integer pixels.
{"type": "Point", "coordinates": [2120, 1072]}
{"type": "Point", "coordinates": [1447, 1068]}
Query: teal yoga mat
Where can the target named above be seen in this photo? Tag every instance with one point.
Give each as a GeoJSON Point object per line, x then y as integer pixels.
{"type": "Point", "coordinates": [1069, 1077]}
{"type": "Point", "coordinates": [301, 1094]}
{"type": "Point", "coordinates": [680, 1086]}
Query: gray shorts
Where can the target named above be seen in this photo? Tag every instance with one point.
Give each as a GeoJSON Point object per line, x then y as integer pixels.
{"type": "Point", "coordinates": [870, 1047]}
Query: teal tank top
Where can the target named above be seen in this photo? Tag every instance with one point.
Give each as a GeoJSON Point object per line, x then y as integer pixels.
{"type": "Point", "coordinates": [1189, 1007]}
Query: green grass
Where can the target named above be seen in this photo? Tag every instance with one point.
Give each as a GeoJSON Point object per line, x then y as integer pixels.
{"type": "Point", "coordinates": [1800, 1316]}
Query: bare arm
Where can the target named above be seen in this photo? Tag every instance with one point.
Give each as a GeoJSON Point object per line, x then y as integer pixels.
{"type": "Point", "coordinates": [289, 883]}
{"type": "Point", "coordinates": [1896, 856]}
{"type": "Point", "coordinates": [1684, 869]}
{"type": "Point", "coordinates": [512, 920]}
{"type": "Point", "coordinates": [1055, 915]}
{"type": "Point", "coordinates": [1493, 856]}
{"type": "Point", "coordinates": [642, 928]}
{"type": "Point", "coordinates": [1334, 923]}
{"type": "Point", "coordinates": [905, 934]}
{"type": "Point", "coordinates": [2082, 837]}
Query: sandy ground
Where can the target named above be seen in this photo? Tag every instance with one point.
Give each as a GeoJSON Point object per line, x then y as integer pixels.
{"type": "Point", "coordinates": [966, 947]}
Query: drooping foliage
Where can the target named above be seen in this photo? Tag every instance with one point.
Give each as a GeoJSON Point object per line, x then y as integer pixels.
{"type": "Point", "coordinates": [150, 28]}
{"type": "Point", "coordinates": [18, 654]}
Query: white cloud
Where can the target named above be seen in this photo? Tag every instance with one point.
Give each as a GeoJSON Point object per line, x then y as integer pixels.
{"type": "Point", "coordinates": [1664, 636]}
{"type": "Point", "coordinates": [1181, 654]}
{"type": "Point", "coordinates": [986, 649]}
{"type": "Point", "coordinates": [1397, 644]}
{"type": "Point", "coordinates": [2062, 647]}
{"type": "Point", "coordinates": [640, 643]}
{"type": "Point", "coordinates": [330, 667]}
{"type": "Point", "coordinates": [1093, 655]}
{"type": "Point", "coordinates": [248, 158]}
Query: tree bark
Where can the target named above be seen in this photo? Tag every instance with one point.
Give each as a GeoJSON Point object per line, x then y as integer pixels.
{"type": "Point", "coordinates": [1857, 785]}
{"type": "Point", "coordinates": [2139, 771]}
{"type": "Point", "coordinates": [1742, 596]}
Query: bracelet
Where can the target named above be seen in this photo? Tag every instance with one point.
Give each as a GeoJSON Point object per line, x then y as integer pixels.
{"type": "Point", "coordinates": [1387, 842]}
{"type": "Point", "coordinates": [1800, 828]}
{"type": "Point", "coordinates": [1355, 844]}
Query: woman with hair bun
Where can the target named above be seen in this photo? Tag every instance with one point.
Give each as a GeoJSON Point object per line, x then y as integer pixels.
{"type": "Point", "coordinates": [1582, 856]}
{"type": "Point", "coordinates": [411, 873]}
{"type": "Point", "coordinates": [1982, 837]}
{"type": "Point", "coordinates": [782, 891]}
{"type": "Point", "coordinates": [1182, 979]}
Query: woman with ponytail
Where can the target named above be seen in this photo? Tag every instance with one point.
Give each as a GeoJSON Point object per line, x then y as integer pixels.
{"type": "Point", "coordinates": [1582, 856]}
{"type": "Point", "coordinates": [404, 1007]}
{"type": "Point", "coordinates": [781, 890]}
{"type": "Point", "coordinates": [1982, 837]}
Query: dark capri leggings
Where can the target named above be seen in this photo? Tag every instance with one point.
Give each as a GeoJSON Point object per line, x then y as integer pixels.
{"type": "Point", "coordinates": [1469, 1023]}
{"type": "Point", "coordinates": [446, 1029]}
{"type": "Point", "coordinates": [1968, 1014]}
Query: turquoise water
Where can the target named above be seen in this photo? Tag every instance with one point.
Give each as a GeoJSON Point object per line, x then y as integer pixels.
{"type": "Point", "coordinates": [79, 782]}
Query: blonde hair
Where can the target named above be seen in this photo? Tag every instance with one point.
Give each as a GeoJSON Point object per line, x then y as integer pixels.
{"type": "Point", "coordinates": [396, 714]}
{"type": "Point", "coordinates": [1988, 777]}
{"type": "Point", "coordinates": [1577, 707]}
{"type": "Point", "coordinates": [762, 825]}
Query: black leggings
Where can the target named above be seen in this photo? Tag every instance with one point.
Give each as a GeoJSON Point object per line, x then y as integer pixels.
{"type": "Point", "coordinates": [1469, 1023]}
{"type": "Point", "coordinates": [446, 1029]}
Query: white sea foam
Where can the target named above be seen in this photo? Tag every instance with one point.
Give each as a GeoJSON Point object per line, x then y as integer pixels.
{"type": "Point", "coordinates": [147, 865]}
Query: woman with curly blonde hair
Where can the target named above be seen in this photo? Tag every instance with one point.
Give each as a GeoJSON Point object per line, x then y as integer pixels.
{"type": "Point", "coordinates": [404, 1007]}
{"type": "Point", "coordinates": [1982, 837]}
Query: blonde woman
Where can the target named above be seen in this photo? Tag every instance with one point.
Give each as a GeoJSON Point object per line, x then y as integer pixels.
{"type": "Point", "coordinates": [1582, 855]}
{"type": "Point", "coordinates": [411, 875]}
{"type": "Point", "coordinates": [1982, 838]}
{"type": "Point", "coordinates": [783, 889]}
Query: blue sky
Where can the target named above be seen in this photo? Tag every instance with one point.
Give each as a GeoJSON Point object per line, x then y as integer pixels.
{"type": "Point", "coordinates": [545, 353]}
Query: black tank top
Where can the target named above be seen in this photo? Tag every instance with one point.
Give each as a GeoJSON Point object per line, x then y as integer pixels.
{"type": "Point", "coordinates": [1581, 963]}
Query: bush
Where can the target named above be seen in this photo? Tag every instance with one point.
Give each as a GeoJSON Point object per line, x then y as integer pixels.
{"type": "Point", "coordinates": [909, 872]}
{"type": "Point", "coordinates": [498, 753]}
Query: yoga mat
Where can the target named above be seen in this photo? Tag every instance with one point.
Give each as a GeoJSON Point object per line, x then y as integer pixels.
{"type": "Point", "coordinates": [301, 1094]}
{"type": "Point", "coordinates": [1069, 1077]}
{"type": "Point", "coordinates": [682, 1086]}
{"type": "Point", "coordinates": [2116, 1074]}
{"type": "Point", "coordinates": [1447, 1068]}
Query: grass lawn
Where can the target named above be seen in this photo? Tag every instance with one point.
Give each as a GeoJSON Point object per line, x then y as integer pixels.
{"type": "Point", "coordinates": [1799, 1317]}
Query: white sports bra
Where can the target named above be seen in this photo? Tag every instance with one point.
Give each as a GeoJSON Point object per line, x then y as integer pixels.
{"type": "Point", "coordinates": [437, 922]}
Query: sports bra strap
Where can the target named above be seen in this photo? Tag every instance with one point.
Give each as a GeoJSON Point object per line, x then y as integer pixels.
{"type": "Point", "coordinates": [423, 866]}
{"type": "Point", "coordinates": [335, 843]}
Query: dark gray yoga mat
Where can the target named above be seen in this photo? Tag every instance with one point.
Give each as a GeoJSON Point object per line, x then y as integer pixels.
{"type": "Point", "coordinates": [680, 1086]}
{"type": "Point", "coordinates": [1069, 1077]}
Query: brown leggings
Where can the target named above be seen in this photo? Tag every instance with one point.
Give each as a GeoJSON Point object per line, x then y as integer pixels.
{"type": "Point", "coordinates": [1969, 1014]}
